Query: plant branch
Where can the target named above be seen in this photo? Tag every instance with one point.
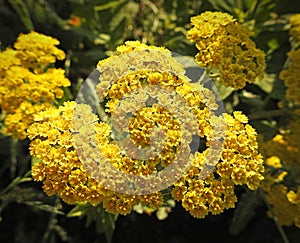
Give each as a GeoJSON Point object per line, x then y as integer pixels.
{"type": "Point", "coordinates": [271, 113]}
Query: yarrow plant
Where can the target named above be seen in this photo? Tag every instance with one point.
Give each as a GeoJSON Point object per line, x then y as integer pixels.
{"type": "Point", "coordinates": [150, 130]}
{"type": "Point", "coordinates": [61, 142]}
{"type": "Point", "coordinates": [29, 83]}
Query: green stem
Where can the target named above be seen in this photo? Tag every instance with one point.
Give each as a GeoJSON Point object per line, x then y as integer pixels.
{"type": "Point", "coordinates": [51, 223]}
{"type": "Point", "coordinates": [13, 157]}
{"type": "Point", "coordinates": [267, 99]}
{"type": "Point", "coordinates": [281, 231]}
{"type": "Point", "coordinates": [240, 5]}
{"type": "Point", "coordinates": [267, 114]}
{"type": "Point", "coordinates": [23, 12]}
{"type": "Point", "coordinates": [278, 226]}
{"type": "Point", "coordinates": [68, 62]}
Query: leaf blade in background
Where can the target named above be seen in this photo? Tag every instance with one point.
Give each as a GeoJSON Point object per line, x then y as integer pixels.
{"type": "Point", "coordinates": [104, 221]}
{"type": "Point", "coordinates": [126, 13]}
{"type": "Point", "coordinates": [109, 5]}
{"type": "Point", "coordinates": [43, 207]}
{"type": "Point", "coordinates": [23, 12]}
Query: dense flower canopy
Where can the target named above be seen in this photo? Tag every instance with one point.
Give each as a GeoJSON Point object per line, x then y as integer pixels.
{"type": "Point", "coordinates": [54, 138]}
{"type": "Point", "coordinates": [225, 44]}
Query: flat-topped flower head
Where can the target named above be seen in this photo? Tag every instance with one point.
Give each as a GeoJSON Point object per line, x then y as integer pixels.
{"type": "Point", "coordinates": [36, 50]}
{"type": "Point", "coordinates": [225, 45]}
{"type": "Point", "coordinates": [154, 110]}
{"type": "Point", "coordinates": [208, 24]}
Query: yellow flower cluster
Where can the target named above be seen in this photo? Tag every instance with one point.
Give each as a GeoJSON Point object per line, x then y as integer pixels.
{"type": "Point", "coordinates": [224, 44]}
{"type": "Point", "coordinates": [240, 164]}
{"type": "Point", "coordinates": [150, 75]}
{"type": "Point", "coordinates": [27, 84]}
{"type": "Point", "coordinates": [282, 155]}
{"type": "Point", "coordinates": [37, 50]}
{"type": "Point", "coordinates": [285, 145]}
{"type": "Point", "coordinates": [294, 198]}
{"type": "Point", "coordinates": [285, 211]}
{"type": "Point", "coordinates": [284, 204]}
{"type": "Point", "coordinates": [142, 85]}
{"type": "Point", "coordinates": [61, 171]}
{"type": "Point", "coordinates": [295, 26]}
{"type": "Point", "coordinates": [53, 142]}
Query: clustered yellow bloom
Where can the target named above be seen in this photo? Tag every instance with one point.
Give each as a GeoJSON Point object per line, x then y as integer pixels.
{"type": "Point", "coordinates": [54, 141]}
{"type": "Point", "coordinates": [74, 168]}
{"type": "Point", "coordinates": [61, 171]}
{"type": "Point", "coordinates": [283, 202]}
{"type": "Point", "coordinates": [37, 50]}
{"type": "Point", "coordinates": [240, 164]}
{"type": "Point", "coordinates": [282, 161]}
{"type": "Point", "coordinates": [295, 26]}
{"type": "Point", "coordinates": [150, 75]}
{"type": "Point", "coordinates": [27, 82]}
{"type": "Point", "coordinates": [282, 208]}
{"type": "Point", "coordinates": [294, 198]}
{"type": "Point", "coordinates": [291, 76]}
{"type": "Point", "coordinates": [224, 44]}
{"type": "Point", "coordinates": [285, 145]}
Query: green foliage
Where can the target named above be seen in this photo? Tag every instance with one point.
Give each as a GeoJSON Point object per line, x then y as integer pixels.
{"type": "Point", "coordinates": [22, 10]}
{"type": "Point", "coordinates": [14, 193]}
{"type": "Point", "coordinates": [104, 222]}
